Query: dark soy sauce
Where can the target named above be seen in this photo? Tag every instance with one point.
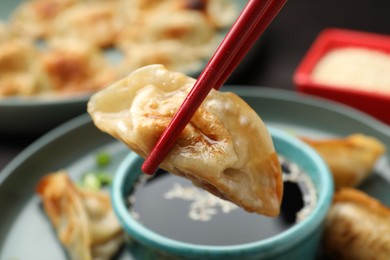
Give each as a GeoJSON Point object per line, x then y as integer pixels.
{"type": "Point", "coordinates": [173, 207]}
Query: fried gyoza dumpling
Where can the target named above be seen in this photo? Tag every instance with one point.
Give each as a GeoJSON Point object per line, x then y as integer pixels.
{"type": "Point", "coordinates": [221, 12]}
{"type": "Point", "coordinates": [20, 70]}
{"type": "Point", "coordinates": [92, 21]}
{"type": "Point", "coordinates": [74, 66]}
{"type": "Point", "coordinates": [350, 159]}
{"type": "Point", "coordinates": [357, 227]}
{"type": "Point", "coordinates": [34, 18]}
{"type": "Point", "coordinates": [187, 26]}
{"type": "Point", "coordinates": [226, 148]}
{"type": "Point", "coordinates": [137, 55]}
{"type": "Point", "coordinates": [84, 220]}
{"type": "Point", "coordinates": [180, 40]}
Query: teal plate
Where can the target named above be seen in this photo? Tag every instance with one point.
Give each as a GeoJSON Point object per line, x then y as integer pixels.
{"type": "Point", "coordinates": [25, 232]}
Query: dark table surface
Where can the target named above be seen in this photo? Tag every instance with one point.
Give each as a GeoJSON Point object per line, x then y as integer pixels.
{"type": "Point", "coordinates": [276, 56]}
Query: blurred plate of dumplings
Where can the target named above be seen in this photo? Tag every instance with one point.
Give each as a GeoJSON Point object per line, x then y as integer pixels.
{"type": "Point", "coordinates": [62, 51]}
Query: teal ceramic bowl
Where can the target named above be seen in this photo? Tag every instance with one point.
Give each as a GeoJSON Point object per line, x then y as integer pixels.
{"type": "Point", "coordinates": [301, 241]}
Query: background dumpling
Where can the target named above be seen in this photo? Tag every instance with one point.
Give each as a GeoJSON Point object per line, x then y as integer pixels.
{"type": "Point", "coordinates": [357, 227]}
{"type": "Point", "coordinates": [350, 159]}
{"type": "Point", "coordinates": [83, 220]}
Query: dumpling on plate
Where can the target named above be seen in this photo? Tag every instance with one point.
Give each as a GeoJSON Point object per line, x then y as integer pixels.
{"type": "Point", "coordinates": [84, 220]}
{"type": "Point", "coordinates": [226, 148]}
{"type": "Point", "coordinates": [180, 37]}
{"type": "Point", "coordinates": [153, 21]}
{"type": "Point", "coordinates": [20, 69]}
{"type": "Point", "coordinates": [96, 22]}
{"type": "Point", "coordinates": [34, 18]}
{"type": "Point", "coordinates": [222, 13]}
{"type": "Point", "coordinates": [74, 66]}
{"type": "Point", "coordinates": [186, 26]}
{"type": "Point", "coordinates": [350, 159]}
{"type": "Point", "coordinates": [180, 40]}
{"type": "Point", "coordinates": [136, 55]}
{"type": "Point", "coordinates": [357, 227]}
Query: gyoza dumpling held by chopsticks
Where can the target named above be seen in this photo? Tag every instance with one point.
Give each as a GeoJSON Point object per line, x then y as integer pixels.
{"type": "Point", "coordinates": [225, 149]}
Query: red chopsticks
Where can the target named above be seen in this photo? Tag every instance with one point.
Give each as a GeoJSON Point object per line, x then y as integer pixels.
{"type": "Point", "coordinates": [253, 20]}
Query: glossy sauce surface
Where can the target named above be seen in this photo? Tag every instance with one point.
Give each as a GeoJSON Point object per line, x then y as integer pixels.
{"type": "Point", "coordinates": [173, 207]}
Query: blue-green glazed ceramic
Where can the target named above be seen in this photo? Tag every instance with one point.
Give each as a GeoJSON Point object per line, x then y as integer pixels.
{"type": "Point", "coordinates": [301, 241]}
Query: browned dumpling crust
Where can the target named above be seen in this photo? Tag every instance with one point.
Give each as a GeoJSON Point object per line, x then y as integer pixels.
{"type": "Point", "coordinates": [350, 159]}
{"type": "Point", "coordinates": [225, 149]}
{"type": "Point", "coordinates": [20, 69]}
{"type": "Point", "coordinates": [65, 68]}
{"type": "Point", "coordinates": [357, 227]}
{"type": "Point", "coordinates": [74, 66]}
{"type": "Point", "coordinates": [84, 220]}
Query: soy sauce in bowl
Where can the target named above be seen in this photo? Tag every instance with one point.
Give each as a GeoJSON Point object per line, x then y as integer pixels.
{"type": "Point", "coordinates": [173, 207]}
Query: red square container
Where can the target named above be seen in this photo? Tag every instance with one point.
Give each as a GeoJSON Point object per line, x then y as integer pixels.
{"type": "Point", "coordinates": [375, 104]}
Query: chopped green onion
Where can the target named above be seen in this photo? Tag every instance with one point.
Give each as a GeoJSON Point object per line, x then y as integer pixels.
{"type": "Point", "coordinates": [95, 180]}
{"type": "Point", "coordinates": [104, 178]}
{"type": "Point", "coordinates": [103, 159]}
{"type": "Point", "coordinates": [90, 181]}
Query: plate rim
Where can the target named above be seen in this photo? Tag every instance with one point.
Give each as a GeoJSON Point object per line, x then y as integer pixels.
{"type": "Point", "coordinates": [21, 102]}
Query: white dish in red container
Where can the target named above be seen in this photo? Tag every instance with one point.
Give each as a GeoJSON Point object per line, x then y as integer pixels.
{"type": "Point", "coordinates": [353, 47]}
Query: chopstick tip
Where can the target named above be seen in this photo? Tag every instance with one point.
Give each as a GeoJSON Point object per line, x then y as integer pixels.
{"type": "Point", "coordinates": [148, 168]}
